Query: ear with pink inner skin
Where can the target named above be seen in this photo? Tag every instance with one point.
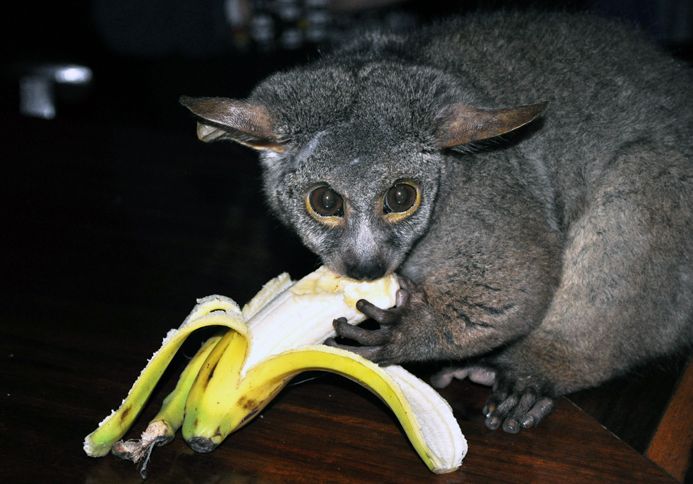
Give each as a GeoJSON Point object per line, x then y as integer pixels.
{"type": "Point", "coordinates": [244, 122]}
{"type": "Point", "coordinates": [462, 124]}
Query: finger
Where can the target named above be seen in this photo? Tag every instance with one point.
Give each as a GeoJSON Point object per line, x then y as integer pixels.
{"type": "Point", "coordinates": [406, 283]}
{"type": "Point", "coordinates": [382, 316]}
{"type": "Point", "coordinates": [369, 352]}
{"type": "Point", "coordinates": [512, 423]}
{"type": "Point", "coordinates": [538, 411]}
{"type": "Point", "coordinates": [362, 336]}
{"type": "Point", "coordinates": [402, 297]}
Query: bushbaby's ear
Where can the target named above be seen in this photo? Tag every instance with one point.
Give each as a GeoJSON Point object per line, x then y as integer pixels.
{"type": "Point", "coordinates": [245, 122]}
{"type": "Point", "coordinates": [462, 124]}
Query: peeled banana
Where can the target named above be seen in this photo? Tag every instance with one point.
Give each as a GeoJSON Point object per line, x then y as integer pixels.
{"type": "Point", "coordinates": [274, 337]}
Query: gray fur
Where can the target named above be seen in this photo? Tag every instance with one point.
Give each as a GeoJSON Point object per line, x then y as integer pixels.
{"type": "Point", "coordinates": [559, 256]}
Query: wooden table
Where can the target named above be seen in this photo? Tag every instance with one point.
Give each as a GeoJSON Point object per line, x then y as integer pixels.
{"type": "Point", "coordinates": [59, 384]}
{"type": "Point", "coordinates": [111, 237]}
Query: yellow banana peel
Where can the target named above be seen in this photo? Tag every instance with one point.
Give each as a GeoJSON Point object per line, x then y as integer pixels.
{"type": "Point", "coordinates": [273, 338]}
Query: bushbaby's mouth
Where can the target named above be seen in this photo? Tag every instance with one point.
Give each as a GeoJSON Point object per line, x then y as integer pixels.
{"type": "Point", "coordinates": [362, 271]}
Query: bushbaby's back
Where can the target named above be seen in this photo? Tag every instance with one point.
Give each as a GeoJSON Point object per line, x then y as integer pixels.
{"type": "Point", "coordinates": [597, 75]}
{"type": "Point", "coordinates": [607, 85]}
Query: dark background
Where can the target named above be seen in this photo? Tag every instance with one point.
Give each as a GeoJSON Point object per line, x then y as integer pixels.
{"type": "Point", "coordinates": [144, 54]}
{"type": "Point", "coordinates": [114, 201]}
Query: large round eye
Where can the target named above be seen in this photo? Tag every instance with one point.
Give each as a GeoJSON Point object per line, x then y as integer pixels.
{"type": "Point", "coordinates": [401, 198]}
{"type": "Point", "coordinates": [325, 202]}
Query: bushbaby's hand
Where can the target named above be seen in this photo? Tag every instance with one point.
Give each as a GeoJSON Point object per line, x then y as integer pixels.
{"type": "Point", "coordinates": [387, 344]}
{"type": "Point", "coordinates": [517, 403]}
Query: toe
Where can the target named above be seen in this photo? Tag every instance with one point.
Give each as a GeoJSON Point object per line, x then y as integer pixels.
{"type": "Point", "coordinates": [516, 411]}
{"type": "Point", "coordinates": [539, 410]}
{"type": "Point", "coordinates": [516, 418]}
{"type": "Point", "coordinates": [492, 422]}
{"type": "Point", "coordinates": [497, 408]}
{"type": "Point", "coordinates": [511, 426]}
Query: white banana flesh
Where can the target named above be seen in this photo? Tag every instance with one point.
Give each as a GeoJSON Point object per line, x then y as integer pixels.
{"type": "Point", "coordinates": [277, 335]}
{"type": "Point", "coordinates": [302, 313]}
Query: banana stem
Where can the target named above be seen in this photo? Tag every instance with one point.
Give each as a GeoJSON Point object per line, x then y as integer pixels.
{"type": "Point", "coordinates": [162, 428]}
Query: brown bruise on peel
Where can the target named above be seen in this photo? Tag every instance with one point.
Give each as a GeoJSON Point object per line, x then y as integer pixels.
{"type": "Point", "coordinates": [124, 414]}
{"type": "Point", "coordinates": [247, 403]}
{"type": "Point", "coordinates": [252, 406]}
{"type": "Point", "coordinates": [249, 417]}
{"type": "Point", "coordinates": [210, 375]}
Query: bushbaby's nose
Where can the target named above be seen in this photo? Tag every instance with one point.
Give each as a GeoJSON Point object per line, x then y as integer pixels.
{"type": "Point", "coordinates": [368, 270]}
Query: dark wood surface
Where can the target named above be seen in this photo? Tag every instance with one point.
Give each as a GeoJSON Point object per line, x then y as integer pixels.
{"type": "Point", "coordinates": [675, 430]}
{"type": "Point", "coordinates": [322, 429]}
{"type": "Point", "coordinates": [113, 230]}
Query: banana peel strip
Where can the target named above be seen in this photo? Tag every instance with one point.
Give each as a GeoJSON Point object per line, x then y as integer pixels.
{"type": "Point", "coordinates": [425, 416]}
{"type": "Point", "coordinates": [162, 428]}
{"type": "Point", "coordinates": [210, 311]}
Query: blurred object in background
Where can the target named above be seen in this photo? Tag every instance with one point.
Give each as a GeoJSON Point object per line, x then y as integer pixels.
{"type": "Point", "coordinates": [143, 55]}
{"type": "Point", "coordinates": [668, 21]}
{"type": "Point", "coordinates": [209, 27]}
{"type": "Point", "coordinates": [41, 85]}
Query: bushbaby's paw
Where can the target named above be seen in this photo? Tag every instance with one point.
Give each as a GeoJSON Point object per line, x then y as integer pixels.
{"type": "Point", "coordinates": [386, 344]}
{"type": "Point", "coordinates": [517, 404]}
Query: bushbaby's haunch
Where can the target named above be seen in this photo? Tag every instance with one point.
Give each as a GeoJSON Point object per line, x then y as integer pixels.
{"type": "Point", "coordinates": [548, 261]}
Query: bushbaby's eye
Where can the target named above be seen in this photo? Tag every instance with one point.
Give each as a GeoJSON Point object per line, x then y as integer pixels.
{"type": "Point", "coordinates": [323, 201]}
{"type": "Point", "coordinates": [401, 200]}
{"type": "Point", "coordinates": [400, 197]}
